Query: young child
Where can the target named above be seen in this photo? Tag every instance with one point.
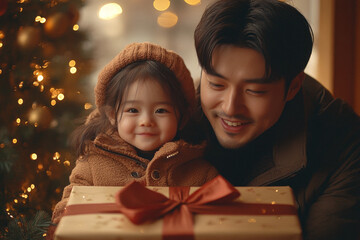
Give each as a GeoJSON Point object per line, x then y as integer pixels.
{"type": "Point", "coordinates": [144, 97]}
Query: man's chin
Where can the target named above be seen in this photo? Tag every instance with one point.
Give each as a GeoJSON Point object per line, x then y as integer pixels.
{"type": "Point", "coordinates": [231, 143]}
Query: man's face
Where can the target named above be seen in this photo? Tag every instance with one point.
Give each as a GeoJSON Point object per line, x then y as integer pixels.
{"type": "Point", "coordinates": [240, 105]}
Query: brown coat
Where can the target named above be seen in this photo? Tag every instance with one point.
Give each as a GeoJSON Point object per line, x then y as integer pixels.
{"type": "Point", "coordinates": [112, 162]}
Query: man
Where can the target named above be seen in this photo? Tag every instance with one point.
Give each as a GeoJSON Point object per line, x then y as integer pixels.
{"type": "Point", "coordinates": [271, 124]}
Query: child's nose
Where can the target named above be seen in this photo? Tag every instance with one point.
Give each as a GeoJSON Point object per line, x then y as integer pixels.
{"type": "Point", "coordinates": [146, 120]}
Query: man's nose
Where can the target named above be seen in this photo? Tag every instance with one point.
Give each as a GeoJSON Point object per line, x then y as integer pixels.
{"type": "Point", "coordinates": [233, 102]}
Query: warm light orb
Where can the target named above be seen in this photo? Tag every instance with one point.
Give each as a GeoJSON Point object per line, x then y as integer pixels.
{"type": "Point", "coordinates": [72, 63]}
{"type": "Point", "coordinates": [33, 156]}
{"type": "Point", "coordinates": [73, 70]}
{"type": "Point", "coordinates": [40, 78]}
{"type": "Point", "coordinates": [161, 5]}
{"type": "Point", "coordinates": [167, 19]}
{"type": "Point", "coordinates": [20, 101]}
{"type": "Point", "coordinates": [87, 106]}
{"type": "Point", "coordinates": [193, 2]}
{"type": "Point", "coordinates": [110, 11]}
{"type": "Point", "coordinates": [76, 27]}
{"type": "Point", "coordinates": [60, 97]}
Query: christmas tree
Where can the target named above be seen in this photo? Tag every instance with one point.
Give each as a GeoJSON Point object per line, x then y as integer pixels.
{"type": "Point", "coordinates": [43, 68]}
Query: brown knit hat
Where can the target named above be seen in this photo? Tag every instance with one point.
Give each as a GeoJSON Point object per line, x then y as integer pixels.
{"type": "Point", "coordinates": [145, 51]}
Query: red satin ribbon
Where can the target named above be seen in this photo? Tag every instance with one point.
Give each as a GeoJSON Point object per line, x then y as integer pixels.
{"type": "Point", "coordinates": [217, 196]}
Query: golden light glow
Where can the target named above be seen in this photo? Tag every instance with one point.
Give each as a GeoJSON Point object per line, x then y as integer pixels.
{"type": "Point", "coordinates": [42, 20]}
{"type": "Point", "coordinates": [20, 101]}
{"type": "Point", "coordinates": [53, 102]}
{"type": "Point", "coordinates": [1, 44]}
{"type": "Point", "coordinates": [2, 35]}
{"type": "Point", "coordinates": [0, 71]}
{"type": "Point", "coordinates": [40, 166]}
{"type": "Point", "coordinates": [61, 97]}
{"type": "Point", "coordinates": [21, 84]}
{"type": "Point", "coordinates": [36, 84]}
{"type": "Point", "coordinates": [56, 156]}
{"type": "Point", "coordinates": [110, 11]}
{"type": "Point", "coordinates": [37, 18]}
{"type": "Point", "coordinates": [29, 189]}
{"type": "Point", "coordinates": [15, 200]}
{"type": "Point", "coordinates": [73, 70]}
{"type": "Point", "coordinates": [18, 120]}
{"type": "Point", "coordinates": [167, 19]}
{"type": "Point", "coordinates": [87, 106]}
{"type": "Point", "coordinates": [193, 2]}
{"type": "Point", "coordinates": [40, 78]}
{"type": "Point", "coordinates": [161, 5]}
{"type": "Point", "coordinates": [67, 163]}
{"type": "Point", "coordinates": [32, 186]}
{"type": "Point", "coordinates": [72, 63]}
{"type": "Point", "coordinates": [14, 141]}
{"type": "Point", "coordinates": [33, 156]}
{"type": "Point", "coordinates": [76, 27]}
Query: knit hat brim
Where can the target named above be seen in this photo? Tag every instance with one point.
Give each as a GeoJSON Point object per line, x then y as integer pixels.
{"type": "Point", "coordinates": [140, 52]}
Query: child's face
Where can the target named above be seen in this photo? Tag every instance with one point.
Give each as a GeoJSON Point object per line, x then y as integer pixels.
{"type": "Point", "coordinates": [147, 118]}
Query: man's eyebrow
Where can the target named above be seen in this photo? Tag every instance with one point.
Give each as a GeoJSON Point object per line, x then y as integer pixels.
{"type": "Point", "coordinates": [261, 80]}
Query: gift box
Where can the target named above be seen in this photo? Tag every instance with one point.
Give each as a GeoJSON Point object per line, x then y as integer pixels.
{"type": "Point", "coordinates": [214, 211]}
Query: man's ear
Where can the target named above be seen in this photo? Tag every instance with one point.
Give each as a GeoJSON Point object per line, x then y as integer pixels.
{"type": "Point", "coordinates": [110, 114]}
{"type": "Point", "coordinates": [295, 86]}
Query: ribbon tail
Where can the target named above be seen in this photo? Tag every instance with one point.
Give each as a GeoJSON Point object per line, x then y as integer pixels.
{"type": "Point", "coordinates": [178, 225]}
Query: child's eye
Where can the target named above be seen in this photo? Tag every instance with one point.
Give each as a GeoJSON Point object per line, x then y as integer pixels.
{"type": "Point", "coordinates": [132, 110]}
{"type": "Point", "coordinates": [161, 110]}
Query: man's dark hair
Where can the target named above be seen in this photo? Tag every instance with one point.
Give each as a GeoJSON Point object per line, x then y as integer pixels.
{"type": "Point", "coordinates": [271, 27]}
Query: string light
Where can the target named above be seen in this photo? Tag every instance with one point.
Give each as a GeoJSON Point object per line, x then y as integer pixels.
{"type": "Point", "coordinates": [20, 101]}
{"type": "Point", "coordinates": [60, 97]}
{"type": "Point", "coordinates": [87, 106]}
{"type": "Point", "coordinates": [76, 27]}
{"type": "Point", "coordinates": [33, 156]}
{"type": "Point", "coordinates": [73, 70]}
{"type": "Point", "coordinates": [56, 156]}
{"type": "Point", "coordinates": [14, 141]}
{"type": "Point", "coordinates": [40, 77]}
{"type": "Point", "coordinates": [72, 63]}
{"type": "Point", "coordinates": [67, 163]}
{"type": "Point", "coordinates": [53, 102]}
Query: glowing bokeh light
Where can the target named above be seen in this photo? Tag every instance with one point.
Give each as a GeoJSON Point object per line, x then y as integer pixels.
{"type": "Point", "coordinates": [161, 5]}
{"type": "Point", "coordinates": [110, 11]}
{"type": "Point", "coordinates": [193, 2]}
{"type": "Point", "coordinates": [167, 19]}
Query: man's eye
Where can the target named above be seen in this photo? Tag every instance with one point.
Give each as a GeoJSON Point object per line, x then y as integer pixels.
{"type": "Point", "coordinates": [161, 110]}
{"type": "Point", "coordinates": [132, 110]}
{"type": "Point", "coordinates": [215, 85]}
{"type": "Point", "coordinates": [254, 92]}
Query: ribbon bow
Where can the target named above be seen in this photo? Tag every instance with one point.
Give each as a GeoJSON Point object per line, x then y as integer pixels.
{"type": "Point", "coordinates": [140, 204]}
